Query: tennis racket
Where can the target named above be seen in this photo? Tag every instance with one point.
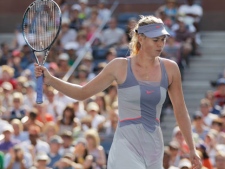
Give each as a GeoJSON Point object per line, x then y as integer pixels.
{"type": "Point", "coordinates": [41, 25]}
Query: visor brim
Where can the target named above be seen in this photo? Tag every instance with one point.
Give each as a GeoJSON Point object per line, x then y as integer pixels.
{"type": "Point", "coordinates": [157, 33]}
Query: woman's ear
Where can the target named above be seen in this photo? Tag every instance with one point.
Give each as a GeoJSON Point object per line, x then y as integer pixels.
{"type": "Point", "coordinates": [140, 38]}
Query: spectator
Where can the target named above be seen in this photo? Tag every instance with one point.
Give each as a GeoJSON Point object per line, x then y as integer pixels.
{"type": "Point", "coordinates": [50, 129]}
{"type": "Point", "coordinates": [82, 40]}
{"type": "Point", "coordinates": [7, 98]}
{"type": "Point", "coordinates": [205, 110]}
{"type": "Point", "coordinates": [204, 156]}
{"type": "Point", "coordinates": [17, 112]}
{"type": "Point", "coordinates": [55, 143]}
{"type": "Point", "coordinates": [107, 39]}
{"type": "Point", "coordinates": [100, 100]}
{"type": "Point", "coordinates": [166, 158]}
{"type": "Point", "coordinates": [5, 54]}
{"type": "Point", "coordinates": [170, 9]}
{"type": "Point", "coordinates": [16, 63]}
{"type": "Point", "coordinates": [198, 125]}
{"type": "Point", "coordinates": [35, 145]}
{"type": "Point", "coordinates": [16, 158]}
{"type": "Point", "coordinates": [178, 136]}
{"type": "Point", "coordinates": [31, 120]}
{"type": "Point", "coordinates": [18, 40]}
{"type": "Point", "coordinates": [42, 160]}
{"type": "Point", "coordinates": [18, 133]}
{"type": "Point", "coordinates": [85, 10]}
{"type": "Point", "coordinates": [64, 6]}
{"type": "Point", "coordinates": [95, 149]}
{"type": "Point", "coordinates": [81, 153]}
{"type": "Point", "coordinates": [8, 142]}
{"type": "Point", "coordinates": [109, 127]}
{"type": "Point", "coordinates": [130, 26]}
{"type": "Point", "coordinates": [174, 153]}
{"type": "Point", "coordinates": [7, 76]}
{"type": "Point", "coordinates": [79, 109]}
{"type": "Point", "coordinates": [28, 57]}
{"type": "Point", "coordinates": [210, 143]}
{"type": "Point", "coordinates": [111, 54]}
{"type": "Point", "coordinates": [82, 75]}
{"type": "Point", "coordinates": [93, 19]}
{"type": "Point", "coordinates": [52, 104]}
{"type": "Point", "coordinates": [71, 49]}
{"type": "Point", "coordinates": [42, 115]}
{"type": "Point", "coordinates": [93, 111]}
{"type": "Point", "coordinates": [68, 119]}
{"type": "Point", "coordinates": [219, 94]}
{"type": "Point", "coordinates": [66, 147]}
{"type": "Point", "coordinates": [111, 95]}
{"type": "Point", "coordinates": [63, 99]}
{"type": "Point", "coordinates": [21, 80]}
{"type": "Point", "coordinates": [63, 64]}
{"type": "Point", "coordinates": [191, 13]}
{"type": "Point", "coordinates": [30, 95]}
{"type": "Point", "coordinates": [103, 12]}
{"type": "Point", "coordinates": [66, 35]}
{"type": "Point", "coordinates": [185, 164]}
{"type": "Point", "coordinates": [186, 38]}
{"type": "Point", "coordinates": [76, 22]}
{"type": "Point", "coordinates": [88, 61]}
{"type": "Point", "coordinates": [66, 162]}
{"type": "Point", "coordinates": [220, 160]}
{"type": "Point", "coordinates": [217, 124]}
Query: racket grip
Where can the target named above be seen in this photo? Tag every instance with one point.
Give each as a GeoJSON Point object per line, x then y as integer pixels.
{"type": "Point", "coordinates": [39, 90]}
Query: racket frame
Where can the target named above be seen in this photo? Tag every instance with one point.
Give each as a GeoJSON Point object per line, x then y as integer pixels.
{"type": "Point", "coordinates": [39, 87]}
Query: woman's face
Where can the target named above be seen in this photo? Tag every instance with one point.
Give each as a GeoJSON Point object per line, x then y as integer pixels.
{"type": "Point", "coordinates": [51, 130]}
{"type": "Point", "coordinates": [153, 46]}
{"type": "Point", "coordinates": [16, 128]}
{"type": "Point", "coordinates": [67, 113]}
{"type": "Point", "coordinates": [90, 141]}
{"type": "Point", "coordinates": [80, 147]}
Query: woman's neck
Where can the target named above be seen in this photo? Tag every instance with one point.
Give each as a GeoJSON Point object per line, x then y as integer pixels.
{"type": "Point", "coordinates": [144, 60]}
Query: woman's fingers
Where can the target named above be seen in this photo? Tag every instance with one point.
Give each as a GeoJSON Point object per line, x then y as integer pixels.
{"type": "Point", "coordinates": [38, 70]}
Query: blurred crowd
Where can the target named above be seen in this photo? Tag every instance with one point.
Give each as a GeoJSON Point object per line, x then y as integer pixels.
{"type": "Point", "coordinates": [63, 133]}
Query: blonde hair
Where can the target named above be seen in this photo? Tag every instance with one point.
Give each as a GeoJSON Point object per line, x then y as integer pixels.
{"type": "Point", "coordinates": [49, 125]}
{"type": "Point", "coordinates": [17, 122]}
{"type": "Point", "coordinates": [134, 45]}
{"type": "Point", "coordinates": [8, 69]}
{"type": "Point", "coordinates": [19, 96]}
{"type": "Point", "coordinates": [93, 134]}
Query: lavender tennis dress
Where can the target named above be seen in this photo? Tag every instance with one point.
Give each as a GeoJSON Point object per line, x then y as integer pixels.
{"type": "Point", "coordinates": [138, 141]}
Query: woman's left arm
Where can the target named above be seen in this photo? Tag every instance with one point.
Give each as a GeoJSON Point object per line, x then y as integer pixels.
{"type": "Point", "coordinates": [179, 106]}
{"type": "Point", "coordinates": [181, 113]}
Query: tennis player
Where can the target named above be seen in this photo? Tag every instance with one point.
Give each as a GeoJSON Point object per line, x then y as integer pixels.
{"type": "Point", "coordinates": [143, 80]}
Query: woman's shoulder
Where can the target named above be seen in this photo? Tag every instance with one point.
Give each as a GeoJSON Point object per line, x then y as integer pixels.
{"type": "Point", "coordinates": [168, 63]}
{"type": "Point", "coordinates": [117, 63]}
{"type": "Point", "coordinates": [120, 60]}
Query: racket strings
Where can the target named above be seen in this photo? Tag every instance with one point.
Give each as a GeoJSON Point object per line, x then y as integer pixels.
{"type": "Point", "coordinates": [42, 24]}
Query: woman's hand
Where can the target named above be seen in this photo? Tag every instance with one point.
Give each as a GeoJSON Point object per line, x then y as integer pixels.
{"type": "Point", "coordinates": [195, 160]}
{"type": "Point", "coordinates": [40, 70]}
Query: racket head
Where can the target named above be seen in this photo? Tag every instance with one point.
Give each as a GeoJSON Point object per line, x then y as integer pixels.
{"type": "Point", "coordinates": [41, 24]}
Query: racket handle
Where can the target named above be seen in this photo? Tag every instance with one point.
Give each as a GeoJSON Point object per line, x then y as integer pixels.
{"type": "Point", "coordinates": [39, 90]}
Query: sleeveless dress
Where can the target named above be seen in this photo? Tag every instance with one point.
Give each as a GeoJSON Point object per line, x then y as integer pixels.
{"type": "Point", "coordinates": [138, 141]}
